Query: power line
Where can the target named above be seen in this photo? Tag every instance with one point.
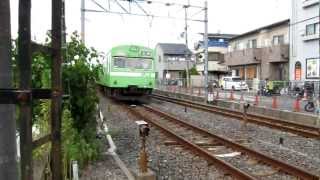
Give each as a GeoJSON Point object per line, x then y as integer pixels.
{"type": "Point", "coordinates": [142, 8]}
{"type": "Point", "coordinates": [121, 6]}
{"type": "Point", "coordinates": [144, 15]}
{"type": "Point", "coordinates": [169, 4]}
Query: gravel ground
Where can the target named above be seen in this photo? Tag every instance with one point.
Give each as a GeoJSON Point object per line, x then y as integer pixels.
{"type": "Point", "coordinates": [104, 169]}
{"type": "Point", "coordinates": [168, 162]}
{"type": "Point", "coordinates": [302, 152]}
{"type": "Point", "coordinates": [242, 161]}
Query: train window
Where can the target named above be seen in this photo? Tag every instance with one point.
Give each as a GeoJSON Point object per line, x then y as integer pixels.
{"type": "Point", "coordinates": [135, 63]}
{"type": "Point", "coordinates": [119, 62]}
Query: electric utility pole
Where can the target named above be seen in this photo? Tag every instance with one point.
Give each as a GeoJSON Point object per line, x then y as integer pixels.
{"type": "Point", "coordinates": [8, 146]}
{"type": "Point", "coordinates": [205, 40]}
{"type": "Point", "coordinates": [186, 38]}
{"type": "Point", "coordinates": [83, 26]}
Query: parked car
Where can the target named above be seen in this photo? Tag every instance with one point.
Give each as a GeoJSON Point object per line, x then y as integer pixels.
{"type": "Point", "coordinates": [234, 82]}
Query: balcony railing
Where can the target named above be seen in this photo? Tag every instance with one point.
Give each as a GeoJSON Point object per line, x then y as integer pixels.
{"type": "Point", "coordinates": [177, 65]}
{"type": "Point", "coordinates": [310, 37]}
{"type": "Point", "coordinates": [212, 66]}
{"type": "Point", "coordinates": [246, 56]}
{"type": "Point", "coordinates": [279, 53]}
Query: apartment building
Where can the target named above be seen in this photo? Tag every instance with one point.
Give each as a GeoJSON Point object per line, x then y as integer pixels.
{"type": "Point", "coordinates": [217, 47]}
{"type": "Point", "coordinates": [304, 30]}
{"type": "Point", "coordinates": [260, 54]}
{"type": "Point", "coordinates": [172, 60]}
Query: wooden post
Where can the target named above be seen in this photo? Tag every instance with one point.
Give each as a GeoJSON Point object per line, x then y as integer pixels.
{"type": "Point", "coordinates": [56, 158]}
{"type": "Point", "coordinates": [24, 63]}
{"type": "Point", "coordinates": [8, 147]}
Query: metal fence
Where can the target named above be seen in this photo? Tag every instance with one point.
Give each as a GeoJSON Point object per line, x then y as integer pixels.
{"type": "Point", "coordinates": [285, 95]}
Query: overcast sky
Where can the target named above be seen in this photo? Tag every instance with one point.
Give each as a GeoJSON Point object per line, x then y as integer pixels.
{"type": "Point", "coordinates": [106, 30]}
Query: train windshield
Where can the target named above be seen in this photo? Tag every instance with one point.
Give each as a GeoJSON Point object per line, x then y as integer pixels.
{"type": "Point", "coordinates": [132, 63]}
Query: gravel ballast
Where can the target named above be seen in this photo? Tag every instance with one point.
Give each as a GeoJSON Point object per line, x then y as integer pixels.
{"type": "Point", "coordinates": [171, 162]}
{"type": "Point", "coordinates": [296, 150]}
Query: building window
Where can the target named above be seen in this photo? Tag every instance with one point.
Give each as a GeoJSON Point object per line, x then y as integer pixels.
{"type": "Point", "coordinates": [297, 71]}
{"type": "Point", "coordinates": [278, 40]}
{"type": "Point", "coordinates": [237, 46]}
{"type": "Point", "coordinates": [172, 58]}
{"type": "Point", "coordinates": [252, 43]}
{"type": "Point", "coordinates": [312, 29]}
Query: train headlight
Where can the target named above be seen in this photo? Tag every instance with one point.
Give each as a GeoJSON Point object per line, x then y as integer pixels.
{"type": "Point", "coordinates": [115, 82]}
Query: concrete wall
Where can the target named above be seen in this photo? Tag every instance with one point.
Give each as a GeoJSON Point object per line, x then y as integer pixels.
{"type": "Point", "coordinates": [301, 48]}
{"type": "Point", "coordinates": [264, 38]}
{"type": "Point", "coordinates": [159, 62]}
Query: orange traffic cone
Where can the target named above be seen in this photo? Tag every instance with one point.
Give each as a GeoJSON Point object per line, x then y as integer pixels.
{"type": "Point", "coordinates": [256, 100]}
{"type": "Point", "coordinates": [231, 96]}
{"type": "Point", "coordinates": [274, 102]}
{"type": "Point", "coordinates": [296, 105]}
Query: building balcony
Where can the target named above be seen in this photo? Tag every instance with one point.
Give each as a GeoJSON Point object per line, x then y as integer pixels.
{"type": "Point", "coordinates": [308, 3]}
{"type": "Point", "coordinates": [273, 54]}
{"type": "Point", "coordinates": [243, 57]}
{"type": "Point", "coordinates": [178, 65]}
{"type": "Point", "coordinates": [279, 53]}
{"type": "Point", "coordinates": [310, 37]}
{"type": "Point", "coordinates": [213, 66]}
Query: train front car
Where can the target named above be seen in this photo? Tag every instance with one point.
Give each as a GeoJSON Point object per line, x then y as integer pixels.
{"type": "Point", "coordinates": [128, 72]}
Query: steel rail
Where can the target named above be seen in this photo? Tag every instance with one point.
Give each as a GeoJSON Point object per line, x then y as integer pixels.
{"type": "Point", "coordinates": [298, 172]}
{"type": "Point", "coordinates": [235, 172]}
{"type": "Point", "coordinates": [295, 128]}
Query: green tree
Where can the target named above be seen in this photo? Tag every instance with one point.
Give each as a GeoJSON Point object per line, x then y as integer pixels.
{"type": "Point", "coordinates": [79, 74]}
{"type": "Point", "coordinates": [192, 71]}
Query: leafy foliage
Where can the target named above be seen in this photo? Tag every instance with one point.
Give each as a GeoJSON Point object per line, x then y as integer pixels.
{"type": "Point", "coordinates": [192, 71]}
{"type": "Point", "coordinates": [79, 73]}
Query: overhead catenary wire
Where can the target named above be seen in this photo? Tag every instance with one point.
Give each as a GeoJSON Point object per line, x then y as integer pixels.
{"type": "Point", "coordinates": [142, 9]}
{"type": "Point", "coordinates": [136, 14]}
{"type": "Point", "coordinates": [126, 12]}
{"type": "Point", "coordinates": [169, 4]}
{"type": "Point", "coordinates": [124, 9]}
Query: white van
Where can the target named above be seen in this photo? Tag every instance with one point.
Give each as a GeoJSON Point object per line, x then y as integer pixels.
{"type": "Point", "coordinates": [234, 82]}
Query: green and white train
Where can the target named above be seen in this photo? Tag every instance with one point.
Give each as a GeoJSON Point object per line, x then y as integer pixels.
{"type": "Point", "coordinates": [128, 72]}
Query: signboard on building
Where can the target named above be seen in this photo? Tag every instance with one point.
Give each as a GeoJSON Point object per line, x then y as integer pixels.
{"type": "Point", "coordinates": [313, 68]}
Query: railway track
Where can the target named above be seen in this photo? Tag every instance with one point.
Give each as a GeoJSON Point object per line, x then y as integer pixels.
{"type": "Point", "coordinates": [209, 146]}
{"type": "Point", "coordinates": [274, 123]}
